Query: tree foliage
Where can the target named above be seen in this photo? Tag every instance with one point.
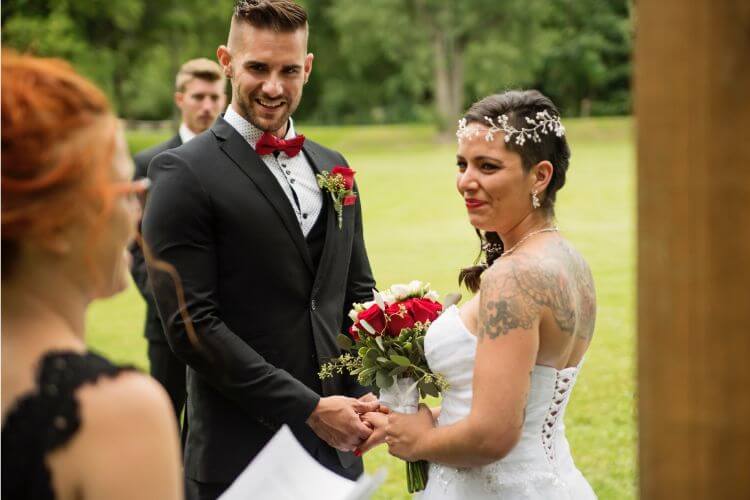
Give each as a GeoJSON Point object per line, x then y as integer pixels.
{"type": "Point", "coordinates": [379, 61]}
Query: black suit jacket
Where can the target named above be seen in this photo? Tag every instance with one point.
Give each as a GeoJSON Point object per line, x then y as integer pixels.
{"type": "Point", "coordinates": [264, 318]}
{"type": "Point", "coordinates": [152, 328]}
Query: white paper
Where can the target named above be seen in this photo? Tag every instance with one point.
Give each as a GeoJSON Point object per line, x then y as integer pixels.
{"type": "Point", "coordinates": [283, 470]}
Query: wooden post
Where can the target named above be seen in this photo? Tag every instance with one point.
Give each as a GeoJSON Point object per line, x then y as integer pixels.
{"type": "Point", "coordinates": [692, 88]}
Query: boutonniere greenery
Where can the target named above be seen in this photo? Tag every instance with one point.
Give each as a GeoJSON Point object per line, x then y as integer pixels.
{"type": "Point", "coordinates": [339, 182]}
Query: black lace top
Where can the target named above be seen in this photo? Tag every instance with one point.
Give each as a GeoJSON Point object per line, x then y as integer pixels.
{"type": "Point", "coordinates": [46, 419]}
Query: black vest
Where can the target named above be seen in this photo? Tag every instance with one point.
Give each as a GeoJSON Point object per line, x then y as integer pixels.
{"type": "Point", "coordinates": [316, 238]}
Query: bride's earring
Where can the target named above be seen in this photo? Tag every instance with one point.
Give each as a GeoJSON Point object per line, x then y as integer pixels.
{"type": "Point", "coordinates": [535, 200]}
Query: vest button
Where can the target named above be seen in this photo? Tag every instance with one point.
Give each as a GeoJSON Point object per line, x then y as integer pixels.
{"type": "Point", "coordinates": [313, 305]}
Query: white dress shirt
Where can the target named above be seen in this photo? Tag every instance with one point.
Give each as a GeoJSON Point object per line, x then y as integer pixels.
{"type": "Point", "coordinates": [295, 175]}
{"type": "Point", "coordinates": [185, 133]}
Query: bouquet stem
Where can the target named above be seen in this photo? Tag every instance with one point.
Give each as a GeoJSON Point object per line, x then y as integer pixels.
{"type": "Point", "coordinates": [403, 397]}
{"type": "Point", "coordinates": [416, 476]}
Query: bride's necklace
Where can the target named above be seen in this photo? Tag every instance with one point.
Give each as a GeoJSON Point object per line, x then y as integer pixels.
{"type": "Point", "coordinates": [529, 235]}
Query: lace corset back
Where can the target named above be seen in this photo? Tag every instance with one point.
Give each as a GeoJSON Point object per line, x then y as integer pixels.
{"type": "Point", "coordinates": [540, 465]}
{"type": "Point", "coordinates": [45, 419]}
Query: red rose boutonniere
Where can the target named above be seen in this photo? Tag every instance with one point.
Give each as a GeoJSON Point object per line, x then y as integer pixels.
{"type": "Point", "coordinates": [339, 183]}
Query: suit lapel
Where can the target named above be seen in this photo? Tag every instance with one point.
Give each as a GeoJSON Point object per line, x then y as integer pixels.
{"type": "Point", "coordinates": [240, 152]}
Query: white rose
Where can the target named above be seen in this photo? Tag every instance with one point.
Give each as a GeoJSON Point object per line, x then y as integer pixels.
{"type": "Point", "coordinates": [432, 295]}
{"type": "Point", "coordinates": [400, 292]}
{"type": "Point", "coordinates": [415, 287]}
{"type": "Point", "coordinates": [388, 298]}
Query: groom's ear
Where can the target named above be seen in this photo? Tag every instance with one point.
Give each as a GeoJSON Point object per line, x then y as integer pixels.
{"type": "Point", "coordinates": [224, 56]}
{"type": "Point", "coordinates": [308, 65]}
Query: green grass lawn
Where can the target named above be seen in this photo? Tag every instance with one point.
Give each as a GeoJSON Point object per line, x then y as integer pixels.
{"type": "Point", "coordinates": [416, 228]}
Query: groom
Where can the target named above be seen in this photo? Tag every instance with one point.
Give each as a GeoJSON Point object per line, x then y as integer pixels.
{"type": "Point", "coordinates": [267, 273]}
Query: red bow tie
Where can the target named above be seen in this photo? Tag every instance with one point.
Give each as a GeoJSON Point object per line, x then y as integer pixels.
{"type": "Point", "coordinates": [269, 143]}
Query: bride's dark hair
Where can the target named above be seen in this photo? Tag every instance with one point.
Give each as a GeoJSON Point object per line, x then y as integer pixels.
{"type": "Point", "coordinates": [518, 105]}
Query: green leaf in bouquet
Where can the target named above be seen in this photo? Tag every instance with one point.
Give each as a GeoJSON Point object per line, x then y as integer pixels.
{"type": "Point", "coordinates": [344, 342]}
{"type": "Point", "coordinates": [381, 359]}
{"type": "Point", "coordinates": [379, 341]}
{"type": "Point", "coordinates": [368, 362]}
{"type": "Point", "coordinates": [382, 380]}
{"type": "Point", "coordinates": [372, 354]}
{"type": "Point", "coordinates": [400, 360]}
{"type": "Point", "coordinates": [420, 346]}
{"type": "Point", "coordinates": [398, 371]}
{"type": "Point", "coordinates": [430, 389]}
{"type": "Point", "coordinates": [365, 380]}
{"type": "Point", "coordinates": [362, 352]}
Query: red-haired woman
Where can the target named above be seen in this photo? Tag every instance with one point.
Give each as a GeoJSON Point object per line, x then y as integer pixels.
{"type": "Point", "coordinates": [74, 425]}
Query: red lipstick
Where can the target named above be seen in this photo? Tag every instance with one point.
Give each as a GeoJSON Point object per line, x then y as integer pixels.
{"type": "Point", "coordinates": [473, 203]}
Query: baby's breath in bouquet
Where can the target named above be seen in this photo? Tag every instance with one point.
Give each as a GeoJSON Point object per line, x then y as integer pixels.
{"type": "Point", "coordinates": [385, 348]}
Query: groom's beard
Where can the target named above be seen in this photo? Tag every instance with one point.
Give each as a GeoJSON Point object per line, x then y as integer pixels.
{"type": "Point", "coordinates": [252, 111]}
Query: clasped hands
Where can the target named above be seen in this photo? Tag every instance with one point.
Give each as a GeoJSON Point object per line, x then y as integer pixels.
{"type": "Point", "coordinates": [337, 420]}
{"type": "Point", "coordinates": [401, 432]}
{"type": "Point", "coordinates": [359, 425]}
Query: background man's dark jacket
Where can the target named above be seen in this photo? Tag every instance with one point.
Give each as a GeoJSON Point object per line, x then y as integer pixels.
{"type": "Point", "coordinates": [165, 367]}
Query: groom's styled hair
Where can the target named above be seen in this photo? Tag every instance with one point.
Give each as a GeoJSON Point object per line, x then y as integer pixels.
{"type": "Point", "coordinates": [284, 16]}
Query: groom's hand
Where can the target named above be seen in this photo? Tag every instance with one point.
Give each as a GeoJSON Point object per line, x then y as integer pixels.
{"type": "Point", "coordinates": [336, 421]}
{"type": "Point", "coordinates": [368, 398]}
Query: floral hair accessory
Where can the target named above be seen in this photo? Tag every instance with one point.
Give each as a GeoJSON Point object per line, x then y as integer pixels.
{"type": "Point", "coordinates": [339, 183]}
{"type": "Point", "coordinates": [542, 123]}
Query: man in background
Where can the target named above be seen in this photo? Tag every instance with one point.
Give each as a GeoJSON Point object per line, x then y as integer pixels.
{"type": "Point", "coordinates": [200, 97]}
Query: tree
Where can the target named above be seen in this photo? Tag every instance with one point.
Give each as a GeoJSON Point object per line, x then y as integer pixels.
{"type": "Point", "coordinates": [131, 48]}
{"type": "Point", "coordinates": [376, 62]}
{"type": "Point", "coordinates": [445, 30]}
{"type": "Point", "coordinates": [586, 61]}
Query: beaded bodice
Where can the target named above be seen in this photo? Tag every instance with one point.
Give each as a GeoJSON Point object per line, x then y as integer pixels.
{"type": "Point", "coordinates": [46, 419]}
{"type": "Point", "coordinates": [541, 453]}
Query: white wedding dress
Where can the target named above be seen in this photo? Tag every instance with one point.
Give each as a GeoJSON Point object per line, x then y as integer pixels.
{"type": "Point", "coordinates": [540, 466]}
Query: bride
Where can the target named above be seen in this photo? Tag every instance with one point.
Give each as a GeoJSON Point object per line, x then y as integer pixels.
{"type": "Point", "coordinates": [513, 352]}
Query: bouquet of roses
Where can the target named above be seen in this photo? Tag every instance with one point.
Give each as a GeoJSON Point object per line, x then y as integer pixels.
{"type": "Point", "coordinates": [386, 348]}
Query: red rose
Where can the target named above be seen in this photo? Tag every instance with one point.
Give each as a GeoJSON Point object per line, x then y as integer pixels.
{"type": "Point", "coordinates": [349, 200]}
{"type": "Point", "coordinates": [345, 172]}
{"type": "Point", "coordinates": [425, 310]}
{"type": "Point", "coordinates": [374, 317]}
{"type": "Point", "coordinates": [354, 333]}
{"type": "Point", "coordinates": [399, 317]}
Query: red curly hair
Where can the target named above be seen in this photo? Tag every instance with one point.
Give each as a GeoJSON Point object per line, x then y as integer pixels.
{"type": "Point", "coordinates": [58, 142]}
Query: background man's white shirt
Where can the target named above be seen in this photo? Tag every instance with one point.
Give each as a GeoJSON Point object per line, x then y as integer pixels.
{"type": "Point", "coordinates": [185, 133]}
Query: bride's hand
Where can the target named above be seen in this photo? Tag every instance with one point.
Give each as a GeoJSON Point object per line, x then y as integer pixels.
{"type": "Point", "coordinates": [405, 433]}
{"type": "Point", "coordinates": [377, 421]}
